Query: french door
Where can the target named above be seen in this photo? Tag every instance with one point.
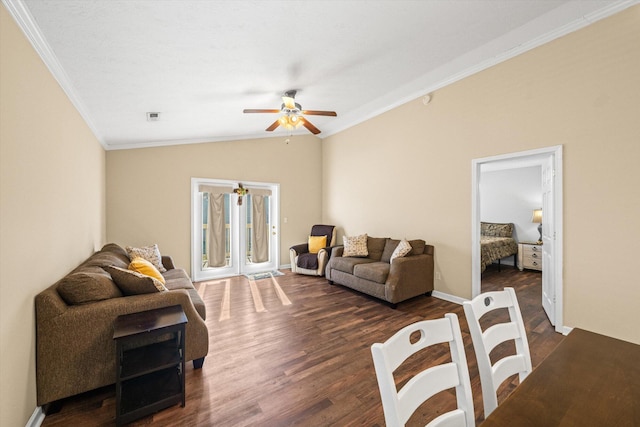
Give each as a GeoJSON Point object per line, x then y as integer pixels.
{"type": "Point", "coordinates": [234, 228]}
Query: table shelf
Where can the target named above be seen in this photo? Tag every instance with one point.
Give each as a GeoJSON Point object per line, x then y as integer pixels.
{"type": "Point", "coordinates": [150, 359]}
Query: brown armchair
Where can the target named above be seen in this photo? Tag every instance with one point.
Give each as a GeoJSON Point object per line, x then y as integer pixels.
{"type": "Point", "coordinates": [305, 262]}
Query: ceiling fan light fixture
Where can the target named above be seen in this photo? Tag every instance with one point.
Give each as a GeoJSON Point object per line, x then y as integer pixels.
{"type": "Point", "coordinates": [290, 121]}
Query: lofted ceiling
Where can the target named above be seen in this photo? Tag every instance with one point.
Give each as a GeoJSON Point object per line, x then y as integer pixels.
{"type": "Point", "coordinates": [201, 62]}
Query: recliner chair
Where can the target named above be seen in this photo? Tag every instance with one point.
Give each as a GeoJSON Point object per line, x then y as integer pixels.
{"type": "Point", "coordinates": [305, 262]}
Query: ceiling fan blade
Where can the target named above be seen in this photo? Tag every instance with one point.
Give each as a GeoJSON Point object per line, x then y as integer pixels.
{"type": "Point", "coordinates": [273, 126]}
{"type": "Point", "coordinates": [320, 113]}
{"type": "Point", "coordinates": [258, 110]}
{"type": "Point", "coordinates": [306, 123]}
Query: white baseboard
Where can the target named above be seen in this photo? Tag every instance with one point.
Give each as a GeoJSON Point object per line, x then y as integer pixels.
{"type": "Point", "coordinates": [566, 330]}
{"type": "Point", "coordinates": [447, 297]}
{"type": "Point", "coordinates": [36, 418]}
{"type": "Point", "coordinates": [285, 267]}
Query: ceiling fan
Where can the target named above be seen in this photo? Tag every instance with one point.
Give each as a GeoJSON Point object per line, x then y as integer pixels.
{"type": "Point", "coordinates": [293, 114]}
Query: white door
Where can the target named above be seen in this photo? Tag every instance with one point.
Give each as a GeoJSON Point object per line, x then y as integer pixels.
{"type": "Point", "coordinates": [233, 231]}
{"type": "Point", "coordinates": [548, 241]}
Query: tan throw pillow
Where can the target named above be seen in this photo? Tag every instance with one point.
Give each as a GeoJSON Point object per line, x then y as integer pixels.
{"type": "Point", "coordinates": [150, 253]}
{"type": "Point", "coordinates": [143, 266]}
{"type": "Point", "coordinates": [134, 283]}
{"type": "Point", "coordinates": [316, 243]}
{"type": "Point", "coordinates": [355, 246]}
{"type": "Point", "coordinates": [401, 250]}
{"type": "Point", "coordinates": [82, 288]}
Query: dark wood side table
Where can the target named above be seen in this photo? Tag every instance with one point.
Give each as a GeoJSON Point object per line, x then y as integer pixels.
{"type": "Point", "coordinates": [150, 362]}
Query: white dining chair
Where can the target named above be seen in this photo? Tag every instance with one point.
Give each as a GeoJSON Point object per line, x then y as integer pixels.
{"type": "Point", "coordinates": [492, 376]}
{"type": "Point", "coordinates": [399, 405]}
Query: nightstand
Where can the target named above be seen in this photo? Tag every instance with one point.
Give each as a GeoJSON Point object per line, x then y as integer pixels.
{"type": "Point", "coordinates": [530, 256]}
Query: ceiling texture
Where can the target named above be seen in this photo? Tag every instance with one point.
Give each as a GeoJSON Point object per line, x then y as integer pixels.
{"type": "Point", "coordinates": [199, 63]}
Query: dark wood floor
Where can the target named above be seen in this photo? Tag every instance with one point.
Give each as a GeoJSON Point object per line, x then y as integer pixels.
{"type": "Point", "coordinates": [309, 363]}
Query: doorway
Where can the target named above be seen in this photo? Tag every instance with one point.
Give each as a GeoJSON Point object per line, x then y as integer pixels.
{"type": "Point", "coordinates": [550, 160]}
{"type": "Point", "coordinates": [234, 228]}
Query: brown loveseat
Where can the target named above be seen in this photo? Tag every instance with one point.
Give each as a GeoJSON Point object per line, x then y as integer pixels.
{"type": "Point", "coordinates": [403, 278]}
{"type": "Point", "coordinates": [75, 350]}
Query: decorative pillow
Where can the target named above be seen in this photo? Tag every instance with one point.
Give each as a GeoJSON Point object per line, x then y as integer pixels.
{"type": "Point", "coordinates": [82, 288]}
{"type": "Point", "coordinates": [134, 283]}
{"type": "Point", "coordinates": [316, 243]}
{"type": "Point", "coordinates": [150, 253]}
{"type": "Point", "coordinates": [143, 266]}
{"type": "Point", "coordinates": [401, 250]}
{"type": "Point", "coordinates": [355, 246]}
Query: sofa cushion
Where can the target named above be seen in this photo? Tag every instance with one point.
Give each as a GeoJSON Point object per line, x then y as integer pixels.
{"type": "Point", "coordinates": [102, 259]}
{"type": "Point", "coordinates": [177, 278]}
{"type": "Point", "coordinates": [143, 266]}
{"type": "Point", "coordinates": [376, 247]}
{"type": "Point", "coordinates": [150, 253]}
{"type": "Point", "coordinates": [355, 246]}
{"type": "Point", "coordinates": [134, 283]}
{"type": "Point", "coordinates": [418, 246]}
{"type": "Point", "coordinates": [375, 271]}
{"type": "Point", "coordinates": [389, 247]}
{"type": "Point", "coordinates": [346, 264]}
{"type": "Point", "coordinates": [402, 249]}
{"type": "Point", "coordinates": [82, 288]}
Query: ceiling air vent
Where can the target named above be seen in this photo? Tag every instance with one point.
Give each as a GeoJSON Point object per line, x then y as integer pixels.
{"type": "Point", "coordinates": [153, 117]}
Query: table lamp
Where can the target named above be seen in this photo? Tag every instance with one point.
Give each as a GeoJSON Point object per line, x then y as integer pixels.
{"type": "Point", "coordinates": [537, 219]}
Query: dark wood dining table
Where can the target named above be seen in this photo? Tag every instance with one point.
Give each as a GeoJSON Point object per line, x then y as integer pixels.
{"type": "Point", "coordinates": [588, 380]}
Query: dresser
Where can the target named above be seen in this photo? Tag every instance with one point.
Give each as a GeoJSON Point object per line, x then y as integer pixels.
{"type": "Point", "coordinates": [530, 256]}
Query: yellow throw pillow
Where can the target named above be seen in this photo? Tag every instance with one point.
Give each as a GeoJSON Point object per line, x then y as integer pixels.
{"type": "Point", "coordinates": [316, 243]}
{"type": "Point", "coordinates": [142, 266]}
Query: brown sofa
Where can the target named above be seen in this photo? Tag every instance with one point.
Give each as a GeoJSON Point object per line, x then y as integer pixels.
{"type": "Point", "coordinates": [393, 282]}
{"type": "Point", "coordinates": [75, 350]}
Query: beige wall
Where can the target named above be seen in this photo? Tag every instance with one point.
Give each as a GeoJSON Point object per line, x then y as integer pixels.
{"type": "Point", "coordinates": [148, 190]}
{"type": "Point", "coordinates": [409, 170]}
{"type": "Point", "coordinates": [51, 206]}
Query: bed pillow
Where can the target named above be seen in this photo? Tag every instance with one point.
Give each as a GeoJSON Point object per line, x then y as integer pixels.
{"type": "Point", "coordinates": [495, 229]}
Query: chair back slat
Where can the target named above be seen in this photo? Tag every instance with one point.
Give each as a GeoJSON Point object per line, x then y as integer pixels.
{"type": "Point", "coordinates": [399, 405]}
{"type": "Point", "coordinates": [492, 376]}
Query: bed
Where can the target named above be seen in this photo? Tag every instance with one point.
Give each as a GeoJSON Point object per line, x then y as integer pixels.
{"type": "Point", "coordinates": [496, 242]}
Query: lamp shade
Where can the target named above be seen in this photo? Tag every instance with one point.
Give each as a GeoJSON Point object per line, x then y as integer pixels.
{"type": "Point", "coordinates": [537, 216]}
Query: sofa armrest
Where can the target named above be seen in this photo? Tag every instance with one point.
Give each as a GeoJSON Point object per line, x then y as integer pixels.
{"type": "Point", "coordinates": [409, 276]}
{"type": "Point", "coordinates": [302, 248]}
{"type": "Point", "coordinates": [337, 250]}
{"type": "Point", "coordinates": [167, 262]}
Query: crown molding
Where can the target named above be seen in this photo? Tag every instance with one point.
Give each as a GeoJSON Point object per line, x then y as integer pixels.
{"type": "Point", "coordinates": [27, 24]}
{"type": "Point", "coordinates": [431, 85]}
